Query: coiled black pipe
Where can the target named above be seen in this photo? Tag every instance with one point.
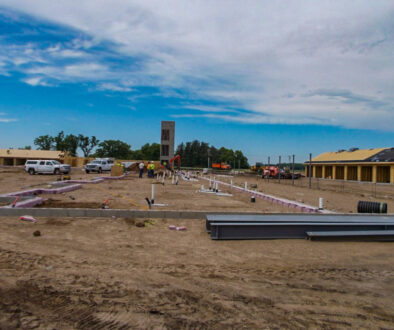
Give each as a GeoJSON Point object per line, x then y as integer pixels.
{"type": "Point", "coordinates": [371, 207]}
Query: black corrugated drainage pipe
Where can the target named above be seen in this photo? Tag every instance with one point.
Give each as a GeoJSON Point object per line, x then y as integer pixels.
{"type": "Point", "coordinates": [371, 207]}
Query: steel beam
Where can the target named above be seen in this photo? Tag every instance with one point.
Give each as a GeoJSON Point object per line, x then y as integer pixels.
{"type": "Point", "coordinates": [382, 235]}
{"type": "Point", "coordinates": [271, 230]}
{"type": "Point", "coordinates": [295, 217]}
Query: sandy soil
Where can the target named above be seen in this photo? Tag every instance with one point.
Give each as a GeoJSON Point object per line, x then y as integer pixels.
{"type": "Point", "coordinates": [105, 273]}
{"type": "Point", "coordinates": [338, 196]}
{"type": "Point", "coordinates": [130, 193]}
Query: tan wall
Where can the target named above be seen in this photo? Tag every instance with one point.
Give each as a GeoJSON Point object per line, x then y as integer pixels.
{"type": "Point", "coordinates": [367, 172]}
{"type": "Point", "coordinates": [392, 174]}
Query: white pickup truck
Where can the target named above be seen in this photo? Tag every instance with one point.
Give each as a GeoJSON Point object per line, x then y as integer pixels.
{"type": "Point", "coordinates": [99, 165]}
{"type": "Point", "coordinates": [46, 166]}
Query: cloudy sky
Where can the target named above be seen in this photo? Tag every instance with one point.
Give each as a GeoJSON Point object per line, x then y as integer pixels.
{"type": "Point", "coordinates": [267, 77]}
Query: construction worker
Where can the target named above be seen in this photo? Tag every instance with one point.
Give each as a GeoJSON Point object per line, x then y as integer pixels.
{"type": "Point", "coordinates": [152, 168]}
{"type": "Point", "coordinates": [141, 166]}
{"type": "Point", "coordinates": [149, 170]}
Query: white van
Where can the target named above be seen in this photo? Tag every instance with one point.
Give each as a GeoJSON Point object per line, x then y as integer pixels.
{"type": "Point", "coordinates": [46, 166]}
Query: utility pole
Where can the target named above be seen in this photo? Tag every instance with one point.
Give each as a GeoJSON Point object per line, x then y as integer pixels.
{"type": "Point", "coordinates": [279, 170]}
{"type": "Point", "coordinates": [292, 173]}
{"type": "Point", "coordinates": [310, 171]}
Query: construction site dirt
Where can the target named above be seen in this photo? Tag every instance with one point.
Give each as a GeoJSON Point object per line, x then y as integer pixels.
{"type": "Point", "coordinates": [64, 273]}
{"type": "Point", "coordinates": [125, 273]}
{"type": "Point", "coordinates": [130, 193]}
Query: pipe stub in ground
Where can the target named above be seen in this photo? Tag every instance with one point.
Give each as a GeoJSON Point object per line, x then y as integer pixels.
{"type": "Point", "coordinates": [253, 199]}
{"type": "Point", "coordinates": [371, 207]}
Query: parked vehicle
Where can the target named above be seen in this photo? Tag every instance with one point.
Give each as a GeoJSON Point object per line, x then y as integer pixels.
{"type": "Point", "coordinates": [221, 166]}
{"type": "Point", "coordinates": [273, 172]}
{"type": "Point", "coordinates": [99, 165]}
{"type": "Point", "coordinates": [46, 166]}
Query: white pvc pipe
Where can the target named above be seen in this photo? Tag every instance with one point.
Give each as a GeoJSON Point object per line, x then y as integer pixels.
{"type": "Point", "coordinates": [246, 185]}
{"type": "Point", "coordinates": [320, 203]}
{"type": "Point", "coordinates": [176, 181]}
{"type": "Point", "coordinates": [153, 193]}
{"type": "Point", "coordinates": [172, 180]}
{"type": "Point", "coordinates": [231, 183]}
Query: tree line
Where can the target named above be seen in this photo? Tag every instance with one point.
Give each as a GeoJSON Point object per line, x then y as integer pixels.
{"type": "Point", "coordinates": [107, 148]}
{"type": "Point", "coordinates": [193, 154]}
{"type": "Point", "coordinates": [196, 154]}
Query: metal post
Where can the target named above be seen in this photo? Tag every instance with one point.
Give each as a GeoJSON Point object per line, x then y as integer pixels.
{"type": "Point", "coordinates": [269, 172]}
{"type": "Point", "coordinates": [279, 170]}
{"type": "Point", "coordinates": [310, 171]}
{"type": "Point", "coordinates": [292, 173]}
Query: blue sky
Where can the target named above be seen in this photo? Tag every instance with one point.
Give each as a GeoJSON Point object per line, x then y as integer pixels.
{"type": "Point", "coordinates": [262, 77]}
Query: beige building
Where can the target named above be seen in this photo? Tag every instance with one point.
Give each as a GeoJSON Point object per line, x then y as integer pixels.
{"type": "Point", "coordinates": [14, 157]}
{"type": "Point", "coordinates": [367, 165]}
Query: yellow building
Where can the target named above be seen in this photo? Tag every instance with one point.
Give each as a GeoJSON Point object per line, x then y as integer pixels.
{"type": "Point", "coordinates": [368, 165]}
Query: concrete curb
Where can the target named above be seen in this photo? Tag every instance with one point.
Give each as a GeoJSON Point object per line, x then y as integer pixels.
{"type": "Point", "coordinates": [100, 213]}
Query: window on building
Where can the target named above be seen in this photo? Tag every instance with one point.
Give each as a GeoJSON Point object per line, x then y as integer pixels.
{"type": "Point", "coordinates": [165, 134]}
{"type": "Point", "coordinates": [165, 149]}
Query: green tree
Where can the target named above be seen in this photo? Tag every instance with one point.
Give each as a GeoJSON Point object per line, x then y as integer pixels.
{"type": "Point", "coordinates": [87, 144]}
{"type": "Point", "coordinates": [150, 151]}
{"type": "Point", "coordinates": [59, 142]}
{"type": "Point", "coordinates": [25, 148]}
{"type": "Point", "coordinates": [70, 144]}
{"type": "Point", "coordinates": [44, 142]}
{"type": "Point", "coordinates": [115, 149]}
{"type": "Point", "coordinates": [196, 154]}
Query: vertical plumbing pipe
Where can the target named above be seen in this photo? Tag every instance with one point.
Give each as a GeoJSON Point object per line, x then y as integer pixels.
{"type": "Point", "coordinates": [231, 183]}
{"type": "Point", "coordinates": [310, 171]}
{"type": "Point", "coordinates": [320, 203]}
{"type": "Point", "coordinates": [292, 173]}
{"type": "Point", "coordinates": [246, 185]}
{"type": "Point", "coordinates": [153, 194]}
{"type": "Point", "coordinates": [172, 180]}
{"type": "Point", "coordinates": [176, 181]}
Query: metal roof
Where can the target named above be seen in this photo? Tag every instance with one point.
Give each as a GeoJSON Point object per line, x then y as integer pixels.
{"type": "Point", "coordinates": [344, 156]}
{"type": "Point", "coordinates": [31, 154]}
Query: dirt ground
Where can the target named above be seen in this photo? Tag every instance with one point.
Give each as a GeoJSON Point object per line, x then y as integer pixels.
{"type": "Point", "coordinates": [130, 193]}
{"type": "Point", "coordinates": [338, 196]}
{"type": "Point", "coordinates": [113, 274]}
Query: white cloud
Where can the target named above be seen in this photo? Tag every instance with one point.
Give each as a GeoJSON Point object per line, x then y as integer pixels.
{"type": "Point", "coordinates": [248, 55]}
{"type": "Point", "coordinates": [206, 108]}
{"type": "Point", "coordinates": [35, 81]}
{"type": "Point", "coordinates": [114, 87]}
{"type": "Point", "coordinates": [6, 120]}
